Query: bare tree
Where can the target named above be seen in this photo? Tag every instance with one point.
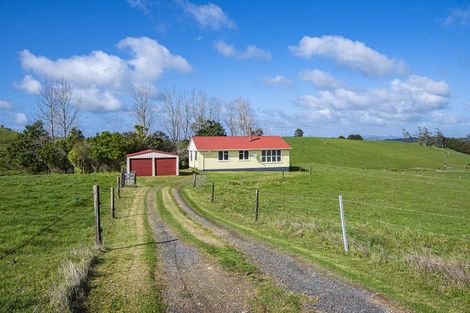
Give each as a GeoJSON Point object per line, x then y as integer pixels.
{"type": "Point", "coordinates": [47, 107]}
{"type": "Point", "coordinates": [231, 120]}
{"type": "Point", "coordinates": [144, 111]}
{"type": "Point", "coordinates": [245, 116]}
{"type": "Point", "coordinates": [171, 106]}
{"type": "Point", "coordinates": [67, 109]}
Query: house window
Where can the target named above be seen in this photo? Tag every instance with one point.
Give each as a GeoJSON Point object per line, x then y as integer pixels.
{"type": "Point", "coordinates": [270, 156]}
{"type": "Point", "coordinates": [243, 155]}
{"type": "Point", "coordinates": [195, 155]}
{"type": "Point", "coordinates": [223, 155]}
{"type": "Point", "coordinates": [190, 156]}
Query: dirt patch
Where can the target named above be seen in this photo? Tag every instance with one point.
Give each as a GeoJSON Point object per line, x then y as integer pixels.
{"type": "Point", "coordinates": [194, 283]}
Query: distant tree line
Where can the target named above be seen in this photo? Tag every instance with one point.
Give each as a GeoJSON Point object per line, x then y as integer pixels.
{"type": "Point", "coordinates": [54, 143]}
{"type": "Point", "coordinates": [436, 138]}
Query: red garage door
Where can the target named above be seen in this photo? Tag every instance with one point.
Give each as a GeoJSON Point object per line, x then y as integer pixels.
{"type": "Point", "coordinates": [142, 167]}
{"type": "Point", "coordinates": [165, 167]}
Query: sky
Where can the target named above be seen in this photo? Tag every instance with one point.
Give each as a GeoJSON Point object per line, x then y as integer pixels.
{"type": "Point", "coordinates": [329, 67]}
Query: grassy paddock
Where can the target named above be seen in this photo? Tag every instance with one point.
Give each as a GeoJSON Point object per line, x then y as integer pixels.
{"type": "Point", "coordinates": [390, 155]}
{"type": "Point", "coordinates": [409, 234]}
{"type": "Point", "coordinates": [32, 276]}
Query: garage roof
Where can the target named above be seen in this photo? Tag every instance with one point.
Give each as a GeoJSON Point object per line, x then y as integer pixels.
{"type": "Point", "coordinates": [207, 143]}
{"type": "Point", "coordinates": [151, 151]}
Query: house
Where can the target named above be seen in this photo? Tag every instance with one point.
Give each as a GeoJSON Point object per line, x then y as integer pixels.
{"type": "Point", "coordinates": [239, 153]}
{"type": "Point", "coordinates": [153, 163]}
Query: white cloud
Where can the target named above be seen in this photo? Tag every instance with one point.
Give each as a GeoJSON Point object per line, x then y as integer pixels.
{"type": "Point", "coordinates": [94, 100]}
{"type": "Point", "coordinates": [352, 54]}
{"type": "Point", "coordinates": [5, 105]}
{"type": "Point", "coordinates": [277, 80]}
{"type": "Point", "coordinates": [250, 52]}
{"type": "Point", "coordinates": [142, 5]}
{"type": "Point", "coordinates": [320, 79]}
{"type": "Point", "coordinates": [29, 84]}
{"type": "Point", "coordinates": [207, 15]}
{"type": "Point", "coordinates": [97, 68]}
{"type": "Point", "coordinates": [20, 118]}
{"type": "Point", "coordinates": [150, 59]}
{"type": "Point", "coordinates": [99, 75]}
{"type": "Point", "coordinates": [403, 100]}
{"type": "Point", "coordinates": [458, 16]}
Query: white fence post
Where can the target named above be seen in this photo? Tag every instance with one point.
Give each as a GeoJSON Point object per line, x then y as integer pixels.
{"type": "Point", "coordinates": [343, 223]}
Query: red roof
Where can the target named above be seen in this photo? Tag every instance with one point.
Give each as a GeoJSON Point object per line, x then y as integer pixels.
{"type": "Point", "coordinates": [208, 143]}
{"type": "Point", "coordinates": [150, 151]}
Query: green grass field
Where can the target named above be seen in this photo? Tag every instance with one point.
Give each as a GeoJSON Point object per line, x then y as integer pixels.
{"type": "Point", "coordinates": [391, 155]}
{"type": "Point", "coordinates": [29, 204]}
{"type": "Point", "coordinates": [409, 231]}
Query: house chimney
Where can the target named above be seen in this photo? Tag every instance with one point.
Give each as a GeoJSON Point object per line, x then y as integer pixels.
{"type": "Point", "coordinates": [249, 134]}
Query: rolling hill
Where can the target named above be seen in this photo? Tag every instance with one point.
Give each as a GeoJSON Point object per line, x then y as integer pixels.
{"type": "Point", "coordinates": [389, 155]}
{"type": "Point", "coordinates": [6, 136]}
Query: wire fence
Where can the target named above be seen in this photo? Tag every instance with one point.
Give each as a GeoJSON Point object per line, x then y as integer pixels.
{"type": "Point", "coordinates": [304, 210]}
{"type": "Point", "coordinates": [19, 268]}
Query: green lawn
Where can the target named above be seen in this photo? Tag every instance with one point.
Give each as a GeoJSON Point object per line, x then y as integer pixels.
{"type": "Point", "coordinates": [372, 154]}
{"type": "Point", "coordinates": [30, 203]}
{"type": "Point", "coordinates": [409, 231]}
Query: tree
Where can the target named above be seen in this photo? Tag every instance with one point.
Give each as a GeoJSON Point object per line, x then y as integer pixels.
{"type": "Point", "coordinates": [25, 151]}
{"type": "Point", "coordinates": [159, 141]}
{"type": "Point", "coordinates": [355, 137]}
{"type": "Point", "coordinates": [107, 151]}
{"type": "Point", "coordinates": [54, 156]}
{"type": "Point", "coordinates": [79, 157]}
{"type": "Point", "coordinates": [144, 111]}
{"type": "Point", "coordinates": [298, 133]}
{"type": "Point", "coordinates": [424, 136]}
{"type": "Point", "coordinates": [239, 117]}
{"type": "Point", "coordinates": [47, 107]}
{"type": "Point", "coordinates": [407, 136]}
{"type": "Point", "coordinates": [257, 132]}
{"type": "Point", "coordinates": [341, 137]}
{"type": "Point", "coordinates": [57, 109]}
{"type": "Point", "coordinates": [67, 109]}
{"type": "Point", "coordinates": [210, 128]}
{"type": "Point", "coordinates": [171, 105]}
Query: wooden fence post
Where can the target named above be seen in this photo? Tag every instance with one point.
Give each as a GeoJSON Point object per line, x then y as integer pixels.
{"type": "Point", "coordinates": [118, 186]}
{"type": "Point", "coordinates": [112, 202]}
{"type": "Point", "coordinates": [257, 205]}
{"type": "Point", "coordinates": [282, 173]}
{"type": "Point", "coordinates": [310, 170]}
{"type": "Point", "coordinates": [343, 224]}
{"type": "Point", "coordinates": [96, 202]}
{"type": "Point", "coordinates": [194, 179]}
{"type": "Point", "coordinates": [213, 192]}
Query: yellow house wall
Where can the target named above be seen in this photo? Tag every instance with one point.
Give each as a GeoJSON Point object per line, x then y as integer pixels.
{"type": "Point", "coordinates": [209, 161]}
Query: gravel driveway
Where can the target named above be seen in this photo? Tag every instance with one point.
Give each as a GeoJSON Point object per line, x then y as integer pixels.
{"type": "Point", "coordinates": [193, 282]}
{"type": "Point", "coordinates": [293, 274]}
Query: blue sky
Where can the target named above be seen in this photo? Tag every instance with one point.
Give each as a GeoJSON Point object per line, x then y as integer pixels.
{"type": "Point", "coordinates": [328, 67]}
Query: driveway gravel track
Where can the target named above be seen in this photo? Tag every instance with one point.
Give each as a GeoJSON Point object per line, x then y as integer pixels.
{"type": "Point", "coordinates": [293, 274]}
{"type": "Point", "coordinates": [193, 282]}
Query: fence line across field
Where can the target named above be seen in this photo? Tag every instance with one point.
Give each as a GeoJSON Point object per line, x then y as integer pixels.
{"type": "Point", "coordinates": [297, 196]}
{"type": "Point", "coordinates": [42, 230]}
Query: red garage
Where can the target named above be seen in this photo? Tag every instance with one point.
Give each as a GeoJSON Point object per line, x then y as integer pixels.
{"type": "Point", "coordinates": [153, 163]}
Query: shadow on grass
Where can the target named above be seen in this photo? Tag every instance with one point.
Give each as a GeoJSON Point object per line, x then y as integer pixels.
{"type": "Point", "coordinates": [142, 244]}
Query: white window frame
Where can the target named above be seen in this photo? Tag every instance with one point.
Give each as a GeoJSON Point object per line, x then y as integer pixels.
{"type": "Point", "coordinates": [271, 156]}
{"type": "Point", "coordinates": [244, 154]}
{"type": "Point", "coordinates": [225, 156]}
